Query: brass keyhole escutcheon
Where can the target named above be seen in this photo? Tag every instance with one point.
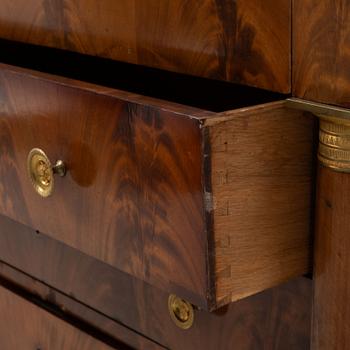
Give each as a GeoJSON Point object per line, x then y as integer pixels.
{"type": "Point", "coordinates": [181, 312]}
{"type": "Point", "coordinates": [41, 172]}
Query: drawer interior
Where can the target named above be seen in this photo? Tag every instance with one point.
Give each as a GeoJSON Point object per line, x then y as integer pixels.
{"type": "Point", "coordinates": [207, 94]}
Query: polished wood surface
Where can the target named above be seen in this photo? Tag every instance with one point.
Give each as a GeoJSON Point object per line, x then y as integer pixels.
{"type": "Point", "coordinates": [26, 326]}
{"type": "Point", "coordinates": [331, 315]}
{"type": "Point", "coordinates": [127, 177]}
{"type": "Point", "coordinates": [262, 192]}
{"type": "Point", "coordinates": [151, 180]}
{"type": "Point", "coordinates": [73, 311]}
{"type": "Point", "coordinates": [321, 51]}
{"type": "Point", "coordinates": [242, 41]}
{"type": "Point", "coordinates": [278, 318]}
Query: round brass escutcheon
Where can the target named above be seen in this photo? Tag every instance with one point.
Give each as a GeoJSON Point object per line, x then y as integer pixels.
{"type": "Point", "coordinates": [41, 172]}
{"type": "Point", "coordinates": [181, 312]}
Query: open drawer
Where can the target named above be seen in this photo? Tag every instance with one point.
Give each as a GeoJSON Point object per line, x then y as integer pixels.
{"type": "Point", "coordinates": [210, 205]}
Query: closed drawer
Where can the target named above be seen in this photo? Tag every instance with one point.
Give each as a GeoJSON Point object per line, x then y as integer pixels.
{"type": "Point", "coordinates": [241, 41]}
{"type": "Point", "coordinates": [278, 318]}
{"type": "Point", "coordinates": [210, 206]}
{"type": "Point", "coordinates": [26, 326]}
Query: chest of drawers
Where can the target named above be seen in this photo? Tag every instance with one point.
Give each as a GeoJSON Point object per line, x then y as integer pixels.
{"type": "Point", "coordinates": [157, 174]}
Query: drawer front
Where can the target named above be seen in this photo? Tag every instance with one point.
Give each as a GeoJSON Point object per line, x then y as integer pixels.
{"type": "Point", "coordinates": [278, 318]}
{"type": "Point", "coordinates": [213, 207]}
{"type": "Point", "coordinates": [132, 194]}
{"type": "Point", "coordinates": [242, 41]}
{"type": "Point", "coordinates": [26, 326]}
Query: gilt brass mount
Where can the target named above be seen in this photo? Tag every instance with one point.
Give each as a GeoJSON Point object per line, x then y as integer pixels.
{"type": "Point", "coordinates": [181, 312]}
{"type": "Point", "coordinates": [41, 172]}
{"type": "Point", "coordinates": [334, 133]}
{"type": "Point", "coordinates": [334, 145]}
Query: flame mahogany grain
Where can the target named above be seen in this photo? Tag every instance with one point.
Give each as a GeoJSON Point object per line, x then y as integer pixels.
{"type": "Point", "coordinates": [39, 329]}
{"type": "Point", "coordinates": [331, 314]}
{"type": "Point", "coordinates": [71, 310]}
{"type": "Point", "coordinates": [171, 194]}
{"type": "Point", "coordinates": [277, 318]}
{"type": "Point", "coordinates": [321, 51]}
{"type": "Point", "coordinates": [241, 41]}
{"type": "Point", "coordinates": [132, 196]}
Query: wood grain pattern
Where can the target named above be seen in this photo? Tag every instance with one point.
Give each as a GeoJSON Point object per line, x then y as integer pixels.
{"type": "Point", "coordinates": [331, 314]}
{"type": "Point", "coordinates": [261, 163]}
{"type": "Point", "coordinates": [26, 326]}
{"type": "Point", "coordinates": [321, 51]}
{"type": "Point", "coordinates": [73, 311]}
{"type": "Point", "coordinates": [146, 177]}
{"type": "Point", "coordinates": [247, 42]}
{"type": "Point", "coordinates": [127, 177]}
{"type": "Point", "coordinates": [278, 318]}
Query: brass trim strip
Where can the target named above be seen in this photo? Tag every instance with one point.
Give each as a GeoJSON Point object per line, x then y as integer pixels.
{"type": "Point", "coordinates": [333, 112]}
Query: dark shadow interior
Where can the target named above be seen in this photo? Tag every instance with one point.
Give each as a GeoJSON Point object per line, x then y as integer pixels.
{"type": "Point", "coordinates": [208, 94]}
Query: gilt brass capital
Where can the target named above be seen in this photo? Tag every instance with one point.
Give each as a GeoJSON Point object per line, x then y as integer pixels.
{"type": "Point", "coordinates": [334, 143]}
{"type": "Point", "coordinates": [334, 134]}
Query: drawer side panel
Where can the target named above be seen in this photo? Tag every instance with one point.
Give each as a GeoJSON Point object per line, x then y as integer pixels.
{"type": "Point", "coordinates": [262, 193]}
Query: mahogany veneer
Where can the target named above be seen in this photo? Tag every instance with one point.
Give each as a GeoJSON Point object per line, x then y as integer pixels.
{"type": "Point", "coordinates": [26, 326]}
{"type": "Point", "coordinates": [212, 207]}
{"type": "Point", "coordinates": [180, 179]}
{"type": "Point", "coordinates": [321, 73]}
{"type": "Point", "coordinates": [321, 51]}
{"type": "Point", "coordinates": [331, 315]}
{"type": "Point", "coordinates": [278, 318]}
{"type": "Point", "coordinates": [242, 41]}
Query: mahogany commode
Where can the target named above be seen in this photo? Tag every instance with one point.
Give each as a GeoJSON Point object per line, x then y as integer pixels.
{"type": "Point", "coordinates": [183, 213]}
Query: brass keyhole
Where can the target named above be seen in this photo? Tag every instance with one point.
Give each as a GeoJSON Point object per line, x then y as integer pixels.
{"type": "Point", "coordinates": [41, 173]}
{"type": "Point", "coordinates": [181, 312]}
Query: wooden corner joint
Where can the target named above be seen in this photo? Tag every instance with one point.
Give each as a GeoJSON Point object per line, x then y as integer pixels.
{"type": "Point", "coordinates": [334, 143]}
